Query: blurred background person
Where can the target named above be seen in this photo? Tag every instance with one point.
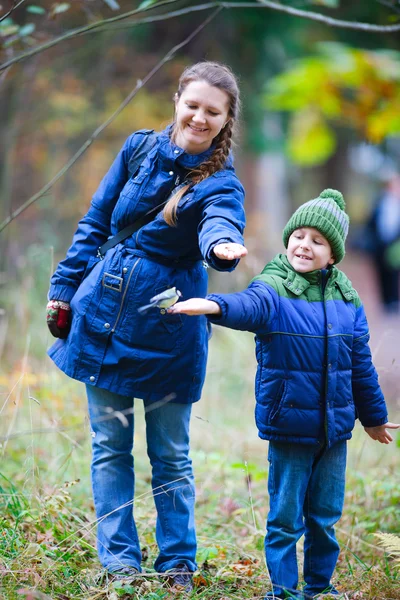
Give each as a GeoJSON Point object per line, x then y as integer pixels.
{"type": "Point", "coordinates": [384, 231]}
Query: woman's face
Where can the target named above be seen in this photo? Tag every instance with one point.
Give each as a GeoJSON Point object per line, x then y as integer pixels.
{"type": "Point", "coordinates": [200, 114]}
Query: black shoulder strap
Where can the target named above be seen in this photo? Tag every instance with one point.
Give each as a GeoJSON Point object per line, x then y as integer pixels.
{"type": "Point", "coordinates": [130, 230]}
{"type": "Point", "coordinates": [140, 152]}
{"type": "Point", "coordinates": [142, 149]}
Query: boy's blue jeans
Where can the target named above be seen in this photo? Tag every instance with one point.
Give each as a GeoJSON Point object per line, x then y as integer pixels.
{"type": "Point", "coordinates": [306, 487]}
{"type": "Point", "coordinates": [113, 479]}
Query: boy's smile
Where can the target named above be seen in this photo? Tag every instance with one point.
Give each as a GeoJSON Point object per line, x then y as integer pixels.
{"type": "Point", "coordinates": [308, 250]}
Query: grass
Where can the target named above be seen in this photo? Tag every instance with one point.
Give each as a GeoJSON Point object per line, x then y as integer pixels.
{"type": "Point", "coordinates": [47, 522]}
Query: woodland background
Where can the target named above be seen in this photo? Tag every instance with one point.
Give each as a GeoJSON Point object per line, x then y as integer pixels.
{"type": "Point", "coordinates": [321, 108]}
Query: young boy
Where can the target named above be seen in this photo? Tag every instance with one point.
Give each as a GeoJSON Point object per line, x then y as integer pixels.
{"type": "Point", "coordinates": [314, 377]}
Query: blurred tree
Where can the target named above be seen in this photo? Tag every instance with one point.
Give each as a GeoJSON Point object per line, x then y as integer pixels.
{"type": "Point", "coordinates": [341, 86]}
{"type": "Point", "coordinates": [53, 100]}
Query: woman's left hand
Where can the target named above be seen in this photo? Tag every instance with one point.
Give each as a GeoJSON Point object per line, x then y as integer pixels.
{"type": "Point", "coordinates": [229, 251]}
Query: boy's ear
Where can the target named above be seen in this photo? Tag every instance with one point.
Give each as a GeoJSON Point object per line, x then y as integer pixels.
{"type": "Point", "coordinates": [331, 260]}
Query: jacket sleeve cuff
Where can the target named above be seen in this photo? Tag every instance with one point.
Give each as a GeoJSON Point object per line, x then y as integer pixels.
{"type": "Point", "coordinates": [61, 292]}
{"type": "Point", "coordinates": [374, 422]}
{"type": "Point", "coordinates": [217, 263]}
{"type": "Point", "coordinates": [218, 319]}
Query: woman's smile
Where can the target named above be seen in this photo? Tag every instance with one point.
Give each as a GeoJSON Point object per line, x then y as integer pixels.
{"type": "Point", "coordinates": [201, 113]}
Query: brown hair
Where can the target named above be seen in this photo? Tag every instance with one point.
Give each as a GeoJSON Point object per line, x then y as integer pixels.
{"type": "Point", "coordinates": [221, 77]}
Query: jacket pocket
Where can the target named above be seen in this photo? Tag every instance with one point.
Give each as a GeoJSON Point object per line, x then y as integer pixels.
{"type": "Point", "coordinates": [87, 288]}
{"type": "Point", "coordinates": [156, 331]}
{"type": "Point", "coordinates": [279, 402]}
{"type": "Point", "coordinates": [133, 184]}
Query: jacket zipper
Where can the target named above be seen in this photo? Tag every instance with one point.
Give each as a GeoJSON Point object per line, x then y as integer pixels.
{"type": "Point", "coordinates": [323, 286]}
{"type": "Point", "coordinates": [124, 294]}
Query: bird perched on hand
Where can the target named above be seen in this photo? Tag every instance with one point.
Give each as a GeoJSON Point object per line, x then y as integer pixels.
{"type": "Point", "coordinates": [163, 300]}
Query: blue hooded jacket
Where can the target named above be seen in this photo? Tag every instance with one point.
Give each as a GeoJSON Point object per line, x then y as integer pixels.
{"type": "Point", "coordinates": [110, 344]}
{"type": "Point", "coordinates": [315, 371]}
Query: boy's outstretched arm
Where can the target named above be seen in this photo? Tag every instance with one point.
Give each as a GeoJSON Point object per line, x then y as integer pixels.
{"type": "Point", "coordinates": [196, 306]}
{"type": "Point", "coordinates": [250, 310]}
{"type": "Point", "coordinates": [380, 434]}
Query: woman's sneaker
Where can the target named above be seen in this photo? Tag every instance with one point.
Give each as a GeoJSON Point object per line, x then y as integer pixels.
{"type": "Point", "coordinates": [180, 579]}
{"type": "Point", "coordinates": [126, 575]}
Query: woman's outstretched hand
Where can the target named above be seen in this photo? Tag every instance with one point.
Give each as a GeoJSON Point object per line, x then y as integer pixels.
{"type": "Point", "coordinates": [380, 434]}
{"type": "Point", "coordinates": [196, 306]}
{"type": "Point", "coordinates": [229, 251]}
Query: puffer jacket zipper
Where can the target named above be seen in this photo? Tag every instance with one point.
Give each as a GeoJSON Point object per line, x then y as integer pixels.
{"type": "Point", "coordinates": [323, 287]}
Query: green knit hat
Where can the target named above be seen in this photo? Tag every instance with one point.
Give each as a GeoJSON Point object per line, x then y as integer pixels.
{"type": "Point", "coordinates": [327, 214]}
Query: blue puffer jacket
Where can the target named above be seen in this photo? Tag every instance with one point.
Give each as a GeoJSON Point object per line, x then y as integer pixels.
{"type": "Point", "coordinates": [110, 344]}
{"type": "Point", "coordinates": [315, 371]}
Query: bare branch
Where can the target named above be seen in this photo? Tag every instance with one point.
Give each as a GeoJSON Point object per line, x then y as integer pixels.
{"type": "Point", "coordinates": [297, 12]}
{"type": "Point", "coordinates": [100, 25]}
{"type": "Point", "coordinates": [14, 6]}
{"type": "Point", "coordinates": [89, 141]}
{"type": "Point", "coordinates": [82, 30]}
{"type": "Point", "coordinates": [389, 5]}
{"type": "Point", "coordinates": [156, 18]}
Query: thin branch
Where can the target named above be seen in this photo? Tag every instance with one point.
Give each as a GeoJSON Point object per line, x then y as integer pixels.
{"type": "Point", "coordinates": [99, 25]}
{"type": "Point", "coordinates": [314, 16]}
{"type": "Point", "coordinates": [389, 5]}
{"type": "Point", "coordinates": [81, 30]}
{"type": "Point", "coordinates": [157, 18]}
{"type": "Point", "coordinates": [85, 146]}
{"type": "Point", "coordinates": [14, 6]}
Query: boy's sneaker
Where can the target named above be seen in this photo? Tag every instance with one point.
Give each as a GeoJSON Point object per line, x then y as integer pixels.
{"type": "Point", "coordinates": [180, 579]}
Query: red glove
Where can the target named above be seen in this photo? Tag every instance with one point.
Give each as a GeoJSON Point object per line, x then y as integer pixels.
{"type": "Point", "coordinates": [58, 316]}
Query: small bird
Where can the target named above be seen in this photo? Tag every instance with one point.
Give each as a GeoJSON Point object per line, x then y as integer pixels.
{"type": "Point", "coordinates": [163, 300]}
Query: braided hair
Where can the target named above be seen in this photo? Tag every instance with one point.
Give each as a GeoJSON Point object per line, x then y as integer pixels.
{"type": "Point", "coordinates": [221, 77]}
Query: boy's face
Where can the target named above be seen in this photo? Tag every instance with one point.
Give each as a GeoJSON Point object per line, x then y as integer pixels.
{"type": "Point", "coordinates": [308, 250]}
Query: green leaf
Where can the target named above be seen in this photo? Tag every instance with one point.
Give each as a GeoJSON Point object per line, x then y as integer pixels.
{"type": "Point", "coordinates": [35, 10]}
{"type": "Point", "coordinates": [27, 29]}
{"type": "Point", "coordinates": [60, 8]}
{"type": "Point", "coordinates": [146, 4]}
{"type": "Point", "coordinates": [6, 30]}
{"type": "Point", "coordinates": [204, 554]}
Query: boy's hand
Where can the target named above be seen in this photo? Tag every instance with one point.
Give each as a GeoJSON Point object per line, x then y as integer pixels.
{"type": "Point", "coordinates": [196, 306]}
{"type": "Point", "coordinates": [380, 434]}
{"type": "Point", "coordinates": [229, 251]}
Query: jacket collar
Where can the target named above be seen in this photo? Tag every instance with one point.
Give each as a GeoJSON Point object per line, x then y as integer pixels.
{"type": "Point", "coordinates": [297, 283]}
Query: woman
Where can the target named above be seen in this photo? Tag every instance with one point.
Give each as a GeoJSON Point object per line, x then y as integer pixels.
{"type": "Point", "coordinates": [121, 353]}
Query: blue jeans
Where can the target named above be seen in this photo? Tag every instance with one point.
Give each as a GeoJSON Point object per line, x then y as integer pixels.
{"type": "Point", "coordinates": [113, 480]}
{"type": "Point", "coordinates": [306, 487]}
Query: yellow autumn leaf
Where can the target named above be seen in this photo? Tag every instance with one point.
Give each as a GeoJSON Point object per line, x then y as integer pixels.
{"type": "Point", "coordinates": [382, 123]}
{"type": "Point", "coordinates": [311, 141]}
